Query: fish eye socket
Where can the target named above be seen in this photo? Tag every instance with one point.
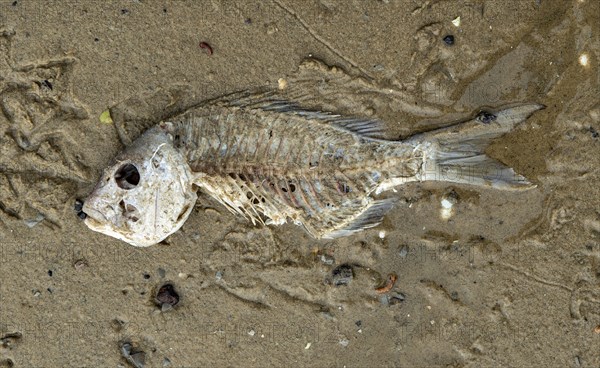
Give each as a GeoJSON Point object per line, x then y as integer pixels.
{"type": "Point", "coordinates": [127, 177]}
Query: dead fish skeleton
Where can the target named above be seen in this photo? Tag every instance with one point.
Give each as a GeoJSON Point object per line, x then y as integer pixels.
{"type": "Point", "coordinates": [273, 162]}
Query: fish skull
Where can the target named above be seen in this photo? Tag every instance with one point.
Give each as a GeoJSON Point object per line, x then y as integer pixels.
{"type": "Point", "coordinates": [146, 195]}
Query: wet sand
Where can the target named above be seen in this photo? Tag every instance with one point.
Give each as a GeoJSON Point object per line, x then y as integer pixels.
{"type": "Point", "coordinates": [510, 279]}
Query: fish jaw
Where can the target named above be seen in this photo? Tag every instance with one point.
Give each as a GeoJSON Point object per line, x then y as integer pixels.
{"type": "Point", "coordinates": [97, 221]}
{"type": "Point", "coordinates": [106, 228]}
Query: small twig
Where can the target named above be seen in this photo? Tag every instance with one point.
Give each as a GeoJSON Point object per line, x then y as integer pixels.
{"type": "Point", "coordinates": [389, 284]}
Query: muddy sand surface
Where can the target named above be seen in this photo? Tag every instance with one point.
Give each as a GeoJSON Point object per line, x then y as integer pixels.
{"type": "Point", "coordinates": [509, 279]}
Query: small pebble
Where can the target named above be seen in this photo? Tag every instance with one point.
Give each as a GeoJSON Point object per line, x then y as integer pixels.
{"type": "Point", "coordinates": [449, 40]}
{"type": "Point", "coordinates": [78, 206]}
{"type": "Point", "coordinates": [378, 68]}
{"type": "Point", "coordinates": [167, 296]}
{"type": "Point", "coordinates": [446, 210]}
{"type": "Point", "coordinates": [486, 117]}
{"type": "Point", "coordinates": [327, 259]}
{"type": "Point", "coordinates": [271, 28]}
{"type": "Point", "coordinates": [403, 251]}
{"type": "Point", "coordinates": [135, 357]}
{"type": "Point", "coordinates": [79, 264]}
{"type": "Point", "coordinates": [282, 83]}
{"type": "Point", "coordinates": [327, 315]}
{"type": "Point", "coordinates": [33, 222]}
{"type": "Point", "coordinates": [342, 274]}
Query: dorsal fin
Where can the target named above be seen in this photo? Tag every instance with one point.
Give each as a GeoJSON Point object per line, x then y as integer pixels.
{"type": "Point", "coordinates": [270, 100]}
{"type": "Point", "coordinates": [366, 128]}
{"type": "Point", "coordinates": [369, 128]}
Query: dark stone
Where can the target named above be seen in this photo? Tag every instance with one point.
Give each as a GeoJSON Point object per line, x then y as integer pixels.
{"type": "Point", "coordinates": [486, 117]}
{"type": "Point", "coordinates": [78, 208]}
{"type": "Point", "coordinates": [342, 274]}
{"type": "Point", "coordinates": [167, 296]}
{"type": "Point", "coordinates": [78, 205]}
{"type": "Point", "coordinates": [449, 40]}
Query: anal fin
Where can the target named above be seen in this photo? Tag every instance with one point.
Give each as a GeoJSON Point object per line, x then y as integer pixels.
{"type": "Point", "coordinates": [370, 217]}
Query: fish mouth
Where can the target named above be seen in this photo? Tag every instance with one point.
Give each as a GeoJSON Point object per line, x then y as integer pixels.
{"type": "Point", "coordinates": [98, 222]}
{"type": "Point", "coordinates": [92, 223]}
{"type": "Point", "coordinates": [95, 220]}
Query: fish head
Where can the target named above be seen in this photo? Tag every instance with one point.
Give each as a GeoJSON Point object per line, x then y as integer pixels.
{"type": "Point", "coordinates": [146, 194]}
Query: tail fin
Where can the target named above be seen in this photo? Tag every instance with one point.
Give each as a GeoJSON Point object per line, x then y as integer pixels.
{"type": "Point", "coordinates": [456, 153]}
